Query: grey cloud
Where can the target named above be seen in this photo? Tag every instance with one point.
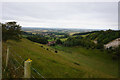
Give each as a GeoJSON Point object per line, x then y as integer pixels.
{"type": "Point", "coordinates": [96, 13]}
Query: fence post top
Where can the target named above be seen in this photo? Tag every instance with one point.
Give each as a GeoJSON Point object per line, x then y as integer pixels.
{"type": "Point", "coordinates": [29, 60]}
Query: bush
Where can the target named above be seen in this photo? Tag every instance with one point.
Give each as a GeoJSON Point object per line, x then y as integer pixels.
{"type": "Point", "coordinates": [11, 31]}
{"type": "Point", "coordinates": [58, 41]}
{"type": "Point", "coordinates": [56, 51]}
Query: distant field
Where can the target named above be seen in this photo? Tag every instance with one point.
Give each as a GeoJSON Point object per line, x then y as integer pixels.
{"type": "Point", "coordinates": [71, 33]}
{"type": "Point", "coordinates": [51, 40]}
{"type": "Point", "coordinates": [69, 62]}
{"type": "Point", "coordinates": [59, 35]}
{"type": "Point", "coordinates": [63, 39]}
{"type": "Point", "coordinates": [84, 35]}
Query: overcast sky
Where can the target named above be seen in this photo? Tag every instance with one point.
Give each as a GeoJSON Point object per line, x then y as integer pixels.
{"type": "Point", "coordinates": [83, 15]}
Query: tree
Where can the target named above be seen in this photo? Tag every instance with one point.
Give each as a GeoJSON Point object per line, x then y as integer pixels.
{"type": "Point", "coordinates": [58, 41]}
{"type": "Point", "coordinates": [100, 46]}
{"type": "Point", "coordinates": [11, 30]}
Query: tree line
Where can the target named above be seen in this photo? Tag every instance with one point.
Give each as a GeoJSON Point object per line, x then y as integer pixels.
{"type": "Point", "coordinates": [38, 39]}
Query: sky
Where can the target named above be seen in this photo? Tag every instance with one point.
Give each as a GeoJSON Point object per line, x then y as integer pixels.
{"type": "Point", "coordinates": [82, 15]}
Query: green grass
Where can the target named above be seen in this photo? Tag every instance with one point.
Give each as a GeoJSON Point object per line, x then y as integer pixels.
{"type": "Point", "coordinates": [92, 63]}
{"type": "Point", "coordinates": [81, 35]}
{"type": "Point", "coordinates": [51, 40]}
{"type": "Point", "coordinates": [63, 39]}
{"type": "Point", "coordinates": [59, 35]}
{"type": "Point", "coordinates": [84, 35]}
{"type": "Point", "coordinates": [94, 59]}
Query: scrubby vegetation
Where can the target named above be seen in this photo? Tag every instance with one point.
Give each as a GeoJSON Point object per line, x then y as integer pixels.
{"type": "Point", "coordinates": [104, 36]}
{"type": "Point", "coordinates": [79, 41]}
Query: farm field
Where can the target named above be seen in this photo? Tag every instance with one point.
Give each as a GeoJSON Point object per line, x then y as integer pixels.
{"type": "Point", "coordinates": [63, 39]}
{"type": "Point", "coordinates": [69, 62]}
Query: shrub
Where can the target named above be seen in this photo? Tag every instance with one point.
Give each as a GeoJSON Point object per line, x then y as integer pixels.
{"type": "Point", "coordinates": [56, 51]}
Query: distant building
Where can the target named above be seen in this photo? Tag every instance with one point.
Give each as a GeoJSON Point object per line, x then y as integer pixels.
{"type": "Point", "coordinates": [51, 42]}
{"type": "Point", "coordinates": [113, 44]}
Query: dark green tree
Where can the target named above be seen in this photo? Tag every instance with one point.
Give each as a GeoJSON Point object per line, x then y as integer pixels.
{"type": "Point", "coordinates": [58, 41]}
{"type": "Point", "coordinates": [11, 30]}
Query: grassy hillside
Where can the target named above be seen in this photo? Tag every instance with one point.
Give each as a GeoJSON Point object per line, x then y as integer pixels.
{"type": "Point", "coordinates": [92, 58]}
{"type": "Point", "coordinates": [101, 36]}
{"type": "Point", "coordinates": [104, 36]}
{"type": "Point", "coordinates": [69, 62]}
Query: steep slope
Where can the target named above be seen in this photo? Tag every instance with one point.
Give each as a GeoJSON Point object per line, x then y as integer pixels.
{"type": "Point", "coordinates": [61, 64]}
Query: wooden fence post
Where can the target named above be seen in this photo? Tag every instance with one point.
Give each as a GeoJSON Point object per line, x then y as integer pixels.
{"type": "Point", "coordinates": [27, 68]}
{"type": "Point", "coordinates": [7, 56]}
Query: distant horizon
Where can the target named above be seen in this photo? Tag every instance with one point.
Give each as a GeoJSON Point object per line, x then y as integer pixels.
{"type": "Point", "coordinates": [77, 15]}
{"type": "Point", "coordinates": [68, 28]}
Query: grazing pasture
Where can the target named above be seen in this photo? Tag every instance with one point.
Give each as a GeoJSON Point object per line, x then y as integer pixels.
{"type": "Point", "coordinates": [69, 62]}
